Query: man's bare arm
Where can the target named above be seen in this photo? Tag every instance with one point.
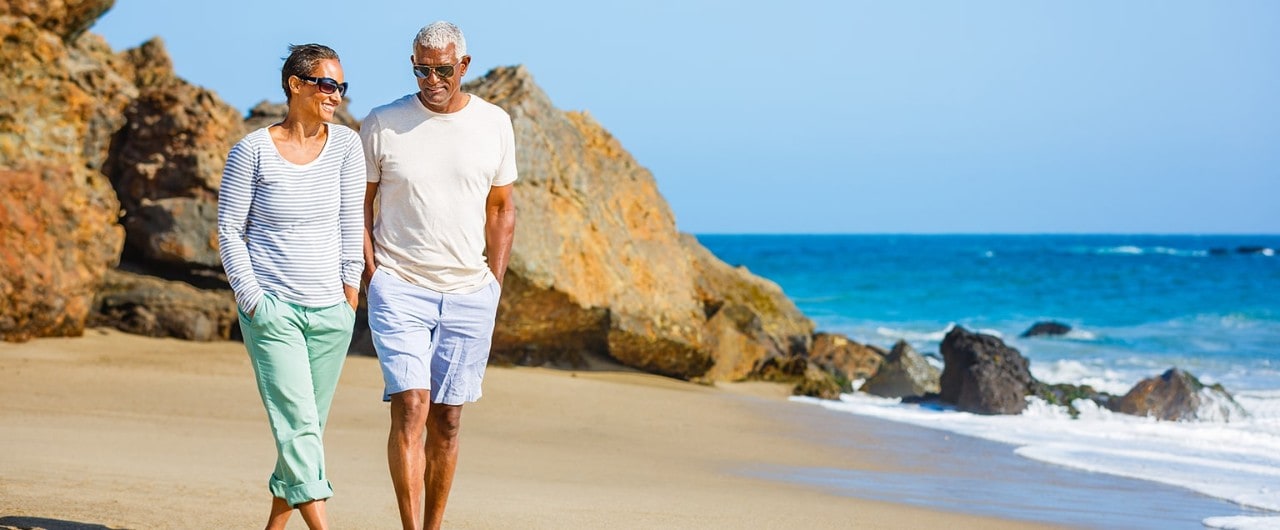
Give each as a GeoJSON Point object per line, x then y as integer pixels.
{"type": "Point", "coordinates": [370, 195]}
{"type": "Point", "coordinates": [499, 228]}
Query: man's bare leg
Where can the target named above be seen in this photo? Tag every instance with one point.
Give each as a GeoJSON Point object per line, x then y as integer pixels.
{"type": "Point", "coordinates": [444, 422]}
{"type": "Point", "coordinates": [405, 456]}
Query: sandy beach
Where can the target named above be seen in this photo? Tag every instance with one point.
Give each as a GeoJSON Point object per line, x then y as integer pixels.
{"type": "Point", "coordinates": [119, 431]}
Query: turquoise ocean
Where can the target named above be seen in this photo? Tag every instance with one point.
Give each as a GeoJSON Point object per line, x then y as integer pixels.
{"type": "Point", "coordinates": [1138, 305]}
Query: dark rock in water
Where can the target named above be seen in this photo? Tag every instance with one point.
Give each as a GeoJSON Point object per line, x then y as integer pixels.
{"type": "Point", "coordinates": [1066, 395]}
{"type": "Point", "coordinates": [150, 306]}
{"type": "Point", "coordinates": [983, 375]}
{"type": "Point", "coordinates": [904, 373]}
{"type": "Point", "coordinates": [1177, 395]}
{"type": "Point", "coordinates": [1218, 251]}
{"type": "Point", "coordinates": [1048, 329]}
{"type": "Point", "coordinates": [1256, 250]}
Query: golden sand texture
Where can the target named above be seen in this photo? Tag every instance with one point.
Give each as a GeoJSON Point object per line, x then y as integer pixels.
{"type": "Point", "coordinates": [132, 432]}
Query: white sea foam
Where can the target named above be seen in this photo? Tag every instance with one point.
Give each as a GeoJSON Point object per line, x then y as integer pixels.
{"type": "Point", "coordinates": [1132, 250]}
{"type": "Point", "coordinates": [1237, 461]}
{"type": "Point", "coordinates": [1094, 374]}
{"type": "Point", "coordinates": [929, 336]}
{"type": "Point", "coordinates": [1126, 249]}
{"type": "Point", "coordinates": [914, 336]}
{"type": "Point", "coordinates": [1243, 522]}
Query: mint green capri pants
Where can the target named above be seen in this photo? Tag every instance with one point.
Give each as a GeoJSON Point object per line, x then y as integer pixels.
{"type": "Point", "coordinates": [297, 355]}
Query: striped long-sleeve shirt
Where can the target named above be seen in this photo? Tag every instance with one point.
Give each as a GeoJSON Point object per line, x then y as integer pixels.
{"type": "Point", "coordinates": [293, 230]}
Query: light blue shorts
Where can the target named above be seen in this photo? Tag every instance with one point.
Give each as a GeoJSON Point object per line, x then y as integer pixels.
{"type": "Point", "coordinates": [431, 340]}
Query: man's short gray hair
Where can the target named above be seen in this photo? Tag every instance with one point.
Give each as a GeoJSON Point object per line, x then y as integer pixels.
{"type": "Point", "coordinates": [439, 35]}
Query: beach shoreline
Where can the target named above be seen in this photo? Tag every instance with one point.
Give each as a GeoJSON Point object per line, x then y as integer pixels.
{"type": "Point", "coordinates": [124, 431]}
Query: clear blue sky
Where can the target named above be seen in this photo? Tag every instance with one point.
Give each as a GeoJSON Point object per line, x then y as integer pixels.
{"type": "Point", "coordinates": [1010, 116]}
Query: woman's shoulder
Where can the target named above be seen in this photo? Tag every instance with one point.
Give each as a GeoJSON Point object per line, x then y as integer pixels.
{"type": "Point", "coordinates": [255, 138]}
{"type": "Point", "coordinates": [341, 134]}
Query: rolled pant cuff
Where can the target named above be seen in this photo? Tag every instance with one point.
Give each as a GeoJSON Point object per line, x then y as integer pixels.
{"type": "Point", "coordinates": [295, 495]}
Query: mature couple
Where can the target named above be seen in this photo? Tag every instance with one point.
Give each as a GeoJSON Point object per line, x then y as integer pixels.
{"type": "Point", "coordinates": [418, 207]}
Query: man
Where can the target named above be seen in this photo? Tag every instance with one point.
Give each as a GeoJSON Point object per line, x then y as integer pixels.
{"type": "Point", "coordinates": [441, 164]}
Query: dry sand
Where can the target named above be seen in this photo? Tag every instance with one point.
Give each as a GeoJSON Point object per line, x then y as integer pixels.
{"type": "Point", "coordinates": [130, 432]}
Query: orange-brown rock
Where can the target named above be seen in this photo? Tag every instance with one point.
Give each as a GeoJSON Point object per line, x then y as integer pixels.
{"type": "Point", "coordinates": [844, 358]}
{"type": "Point", "coordinates": [775, 324]}
{"type": "Point", "coordinates": [57, 238]}
{"type": "Point", "coordinates": [166, 163]}
{"type": "Point", "coordinates": [736, 338]}
{"type": "Point", "coordinates": [1176, 395]}
{"type": "Point", "coordinates": [597, 260]}
{"type": "Point", "coordinates": [66, 19]}
{"type": "Point", "coordinates": [58, 230]}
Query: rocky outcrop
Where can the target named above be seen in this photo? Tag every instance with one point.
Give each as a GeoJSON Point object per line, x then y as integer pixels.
{"type": "Point", "coordinates": [166, 164]}
{"type": "Point", "coordinates": [845, 359]}
{"type": "Point", "coordinates": [1177, 395]}
{"type": "Point", "coordinates": [904, 373]}
{"type": "Point", "coordinates": [145, 305]}
{"type": "Point", "coordinates": [749, 319]}
{"type": "Point", "coordinates": [66, 19]}
{"type": "Point", "coordinates": [1046, 329]}
{"type": "Point", "coordinates": [597, 265]}
{"type": "Point", "coordinates": [983, 375]}
{"type": "Point", "coordinates": [58, 229]}
{"type": "Point", "coordinates": [735, 336]}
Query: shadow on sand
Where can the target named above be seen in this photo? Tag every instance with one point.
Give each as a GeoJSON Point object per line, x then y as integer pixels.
{"type": "Point", "coordinates": [41, 523]}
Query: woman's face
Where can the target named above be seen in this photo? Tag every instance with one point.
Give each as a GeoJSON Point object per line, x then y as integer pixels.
{"type": "Point", "coordinates": [309, 97]}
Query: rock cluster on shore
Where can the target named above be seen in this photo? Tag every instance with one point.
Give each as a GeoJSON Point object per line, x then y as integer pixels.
{"type": "Point", "coordinates": [110, 159]}
{"type": "Point", "coordinates": [110, 166]}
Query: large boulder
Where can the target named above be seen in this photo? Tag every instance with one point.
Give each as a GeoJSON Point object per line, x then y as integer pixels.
{"type": "Point", "coordinates": [145, 305]}
{"type": "Point", "coordinates": [1177, 395]}
{"type": "Point", "coordinates": [904, 373]}
{"type": "Point", "coordinates": [598, 267]}
{"type": "Point", "coordinates": [58, 214]}
{"type": "Point", "coordinates": [982, 375]}
{"type": "Point", "coordinates": [597, 260]}
{"type": "Point", "coordinates": [166, 164]}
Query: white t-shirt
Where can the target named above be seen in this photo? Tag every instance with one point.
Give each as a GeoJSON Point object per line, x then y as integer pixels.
{"type": "Point", "coordinates": [434, 173]}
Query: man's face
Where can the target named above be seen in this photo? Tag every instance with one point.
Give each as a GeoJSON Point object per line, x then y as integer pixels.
{"type": "Point", "coordinates": [439, 93]}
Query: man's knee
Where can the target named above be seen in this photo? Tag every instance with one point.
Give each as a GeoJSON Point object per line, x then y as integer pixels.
{"type": "Point", "coordinates": [444, 421]}
{"type": "Point", "coordinates": [409, 409]}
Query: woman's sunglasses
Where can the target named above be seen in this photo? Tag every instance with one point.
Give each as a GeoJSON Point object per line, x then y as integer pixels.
{"type": "Point", "coordinates": [423, 71]}
{"type": "Point", "coordinates": [327, 85]}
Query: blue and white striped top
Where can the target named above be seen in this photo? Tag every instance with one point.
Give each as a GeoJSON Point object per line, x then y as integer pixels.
{"type": "Point", "coordinates": [293, 230]}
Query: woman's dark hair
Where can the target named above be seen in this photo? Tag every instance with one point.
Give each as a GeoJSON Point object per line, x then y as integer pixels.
{"type": "Point", "coordinates": [302, 59]}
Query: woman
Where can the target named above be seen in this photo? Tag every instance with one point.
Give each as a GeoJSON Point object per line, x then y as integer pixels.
{"type": "Point", "coordinates": [290, 224]}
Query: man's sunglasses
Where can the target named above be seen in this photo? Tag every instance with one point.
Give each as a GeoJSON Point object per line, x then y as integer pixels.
{"type": "Point", "coordinates": [423, 71]}
{"type": "Point", "coordinates": [327, 85]}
